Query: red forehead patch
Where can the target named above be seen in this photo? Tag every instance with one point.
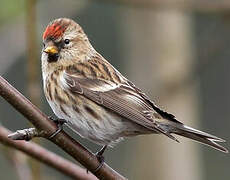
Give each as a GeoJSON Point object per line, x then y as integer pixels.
{"type": "Point", "coordinates": [54, 31]}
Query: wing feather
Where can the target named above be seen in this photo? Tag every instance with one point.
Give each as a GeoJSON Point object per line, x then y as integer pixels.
{"type": "Point", "coordinates": [123, 99]}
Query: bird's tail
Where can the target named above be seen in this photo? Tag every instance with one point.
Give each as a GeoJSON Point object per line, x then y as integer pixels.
{"type": "Point", "coordinates": [199, 136]}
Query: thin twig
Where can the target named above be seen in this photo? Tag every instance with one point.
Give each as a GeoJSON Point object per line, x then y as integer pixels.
{"type": "Point", "coordinates": [25, 134]}
{"type": "Point", "coordinates": [64, 141]}
{"type": "Point", "coordinates": [45, 156]}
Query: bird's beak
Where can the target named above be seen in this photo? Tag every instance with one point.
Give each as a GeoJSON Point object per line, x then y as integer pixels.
{"type": "Point", "coordinates": [51, 50]}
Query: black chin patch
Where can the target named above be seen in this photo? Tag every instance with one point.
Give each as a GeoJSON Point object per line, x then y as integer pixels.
{"type": "Point", "coordinates": [52, 58]}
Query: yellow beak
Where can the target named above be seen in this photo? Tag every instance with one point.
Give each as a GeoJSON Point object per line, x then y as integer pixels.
{"type": "Point", "coordinates": [51, 50]}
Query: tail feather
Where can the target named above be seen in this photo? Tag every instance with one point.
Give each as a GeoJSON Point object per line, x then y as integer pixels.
{"type": "Point", "coordinates": [197, 135]}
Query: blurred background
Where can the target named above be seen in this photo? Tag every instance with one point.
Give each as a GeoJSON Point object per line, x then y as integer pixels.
{"type": "Point", "coordinates": [175, 51]}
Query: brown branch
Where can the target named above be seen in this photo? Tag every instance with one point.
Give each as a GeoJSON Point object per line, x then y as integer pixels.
{"type": "Point", "coordinates": [47, 128]}
{"type": "Point", "coordinates": [47, 157]}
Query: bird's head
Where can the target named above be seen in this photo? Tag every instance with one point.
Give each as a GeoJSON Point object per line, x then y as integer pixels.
{"type": "Point", "coordinates": [64, 42]}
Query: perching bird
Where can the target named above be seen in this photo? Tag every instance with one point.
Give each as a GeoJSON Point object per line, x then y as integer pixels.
{"type": "Point", "coordinates": [96, 100]}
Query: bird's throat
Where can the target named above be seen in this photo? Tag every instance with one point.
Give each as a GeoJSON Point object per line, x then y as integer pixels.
{"type": "Point", "coordinates": [52, 58]}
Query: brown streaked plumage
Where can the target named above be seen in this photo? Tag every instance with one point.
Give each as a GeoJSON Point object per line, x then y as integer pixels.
{"type": "Point", "coordinates": [95, 99]}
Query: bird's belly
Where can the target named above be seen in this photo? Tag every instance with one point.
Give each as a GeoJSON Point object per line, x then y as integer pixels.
{"type": "Point", "coordinates": [93, 122]}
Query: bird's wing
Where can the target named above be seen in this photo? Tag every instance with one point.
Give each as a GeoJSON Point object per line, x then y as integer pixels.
{"type": "Point", "coordinates": [124, 99]}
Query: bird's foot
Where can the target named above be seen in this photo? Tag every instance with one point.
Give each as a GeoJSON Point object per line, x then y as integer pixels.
{"type": "Point", "coordinates": [59, 123]}
{"type": "Point", "coordinates": [100, 158]}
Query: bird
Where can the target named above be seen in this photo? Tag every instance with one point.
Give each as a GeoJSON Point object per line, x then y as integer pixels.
{"type": "Point", "coordinates": [95, 100]}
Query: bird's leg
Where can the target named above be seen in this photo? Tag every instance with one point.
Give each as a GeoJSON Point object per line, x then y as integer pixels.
{"type": "Point", "coordinates": [59, 123]}
{"type": "Point", "coordinates": [100, 157]}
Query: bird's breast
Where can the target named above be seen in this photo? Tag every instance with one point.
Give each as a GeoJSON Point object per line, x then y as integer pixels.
{"type": "Point", "coordinates": [84, 116]}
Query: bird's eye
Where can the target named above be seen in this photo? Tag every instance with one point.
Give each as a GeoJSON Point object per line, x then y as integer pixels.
{"type": "Point", "coordinates": [43, 44]}
{"type": "Point", "coordinates": [66, 41]}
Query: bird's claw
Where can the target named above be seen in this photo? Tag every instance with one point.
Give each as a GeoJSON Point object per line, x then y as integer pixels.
{"type": "Point", "coordinates": [100, 158]}
{"type": "Point", "coordinates": [59, 123]}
